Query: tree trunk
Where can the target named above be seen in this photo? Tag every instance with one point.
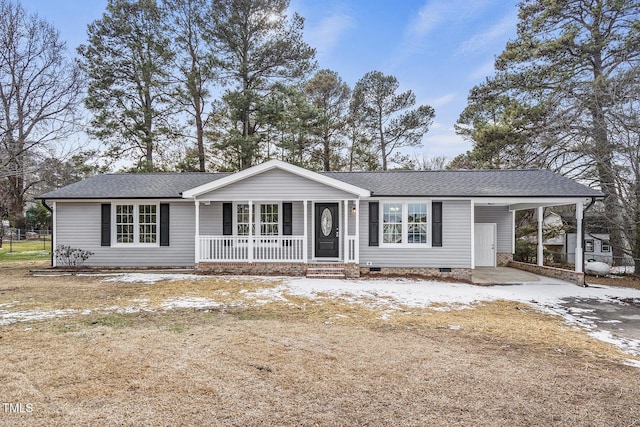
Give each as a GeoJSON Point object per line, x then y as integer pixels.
{"type": "Point", "coordinates": [327, 153]}
{"type": "Point", "coordinates": [603, 153]}
{"type": "Point", "coordinates": [199, 137]}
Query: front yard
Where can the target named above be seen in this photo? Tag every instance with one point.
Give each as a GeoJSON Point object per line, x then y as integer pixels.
{"type": "Point", "coordinates": [135, 350]}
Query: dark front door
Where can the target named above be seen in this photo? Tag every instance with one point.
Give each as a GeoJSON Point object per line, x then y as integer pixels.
{"type": "Point", "coordinates": [327, 236]}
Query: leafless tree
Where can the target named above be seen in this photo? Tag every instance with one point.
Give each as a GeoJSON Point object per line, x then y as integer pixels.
{"type": "Point", "coordinates": [40, 87]}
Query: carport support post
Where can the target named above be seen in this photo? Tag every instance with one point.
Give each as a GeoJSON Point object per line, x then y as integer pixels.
{"type": "Point", "coordinates": [579, 236]}
{"type": "Point", "coordinates": [540, 245]}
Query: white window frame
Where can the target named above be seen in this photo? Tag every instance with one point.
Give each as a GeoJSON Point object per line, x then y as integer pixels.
{"type": "Point", "coordinates": [235, 219]}
{"type": "Point", "coordinates": [605, 244]}
{"type": "Point", "coordinates": [136, 225]}
{"type": "Point", "coordinates": [589, 245]}
{"type": "Point", "coordinates": [405, 223]}
{"type": "Point", "coordinates": [256, 218]}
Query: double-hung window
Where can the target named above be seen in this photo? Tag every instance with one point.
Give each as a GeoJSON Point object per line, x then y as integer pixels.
{"type": "Point", "coordinates": [265, 219]}
{"type": "Point", "coordinates": [417, 223]}
{"type": "Point", "coordinates": [405, 223]}
{"type": "Point", "coordinates": [392, 227]}
{"type": "Point", "coordinates": [588, 245]}
{"type": "Point", "coordinates": [242, 220]}
{"type": "Point", "coordinates": [269, 219]}
{"type": "Point", "coordinates": [136, 223]}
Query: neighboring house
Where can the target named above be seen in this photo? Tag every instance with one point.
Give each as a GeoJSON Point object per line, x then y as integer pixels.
{"type": "Point", "coordinates": [555, 243]}
{"type": "Point", "coordinates": [276, 218]}
{"type": "Point", "coordinates": [596, 246]}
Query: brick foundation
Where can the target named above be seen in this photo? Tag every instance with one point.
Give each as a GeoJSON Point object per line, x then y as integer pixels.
{"type": "Point", "coordinates": [271, 268]}
{"type": "Point", "coordinates": [556, 273]}
{"type": "Point", "coordinates": [255, 268]}
{"type": "Point", "coordinates": [503, 259]}
{"type": "Point", "coordinates": [462, 274]}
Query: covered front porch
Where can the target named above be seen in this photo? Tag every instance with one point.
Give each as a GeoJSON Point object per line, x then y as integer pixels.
{"type": "Point", "coordinates": [276, 218]}
{"type": "Point", "coordinates": [270, 231]}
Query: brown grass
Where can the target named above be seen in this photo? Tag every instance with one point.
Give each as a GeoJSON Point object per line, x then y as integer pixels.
{"type": "Point", "coordinates": [626, 281]}
{"type": "Point", "coordinates": [301, 362]}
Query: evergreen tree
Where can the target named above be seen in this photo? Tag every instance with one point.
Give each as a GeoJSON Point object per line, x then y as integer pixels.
{"type": "Point", "coordinates": [576, 62]}
{"type": "Point", "coordinates": [128, 61]}
{"type": "Point", "coordinates": [390, 122]}
{"type": "Point", "coordinates": [256, 45]}
{"type": "Point", "coordinates": [330, 95]}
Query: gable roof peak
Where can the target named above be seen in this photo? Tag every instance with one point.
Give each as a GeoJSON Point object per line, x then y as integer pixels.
{"type": "Point", "coordinates": [270, 165]}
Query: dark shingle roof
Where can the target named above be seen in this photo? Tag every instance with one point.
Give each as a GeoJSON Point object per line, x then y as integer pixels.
{"type": "Point", "coordinates": [133, 186]}
{"type": "Point", "coordinates": [478, 183]}
{"type": "Point", "coordinates": [467, 183]}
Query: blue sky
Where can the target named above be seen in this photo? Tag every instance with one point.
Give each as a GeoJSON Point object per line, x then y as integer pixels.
{"type": "Point", "coordinates": [439, 49]}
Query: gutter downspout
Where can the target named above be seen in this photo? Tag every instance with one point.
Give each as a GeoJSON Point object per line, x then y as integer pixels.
{"type": "Point", "coordinates": [584, 275]}
{"type": "Point", "coordinates": [44, 203]}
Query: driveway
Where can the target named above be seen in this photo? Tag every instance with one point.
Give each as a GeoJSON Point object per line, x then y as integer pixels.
{"type": "Point", "coordinates": [619, 316]}
{"type": "Point", "coordinates": [507, 276]}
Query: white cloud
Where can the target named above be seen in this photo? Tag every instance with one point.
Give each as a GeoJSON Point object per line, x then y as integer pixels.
{"type": "Point", "coordinates": [483, 71]}
{"type": "Point", "coordinates": [495, 33]}
{"type": "Point", "coordinates": [431, 16]}
{"type": "Point", "coordinates": [443, 100]}
{"type": "Point", "coordinates": [326, 35]}
{"type": "Point", "coordinates": [427, 19]}
{"type": "Point", "coordinates": [445, 143]}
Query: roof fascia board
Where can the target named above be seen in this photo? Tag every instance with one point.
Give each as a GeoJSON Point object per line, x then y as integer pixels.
{"type": "Point", "coordinates": [112, 199]}
{"type": "Point", "coordinates": [273, 164]}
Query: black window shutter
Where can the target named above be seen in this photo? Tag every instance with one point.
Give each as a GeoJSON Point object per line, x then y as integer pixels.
{"type": "Point", "coordinates": [105, 225]}
{"type": "Point", "coordinates": [227, 219]}
{"type": "Point", "coordinates": [374, 222]}
{"type": "Point", "coordinates": [164, 224]}
{"type": "Point", "coordinates": [436, 224]}
{"type": "Point", "coordinates": [287, 219]}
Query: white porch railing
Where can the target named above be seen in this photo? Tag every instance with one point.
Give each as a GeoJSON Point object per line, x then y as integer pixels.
{"type": "Point", "coordinates": [351, 249]}
{"type": "Point", "coordinates": [237, 248]}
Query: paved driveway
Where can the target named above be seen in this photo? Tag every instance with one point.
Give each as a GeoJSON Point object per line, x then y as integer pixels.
{"type": "Point", "coordinates": [507, 276]}
{"type": "Point", "coordinates": [621, 317]}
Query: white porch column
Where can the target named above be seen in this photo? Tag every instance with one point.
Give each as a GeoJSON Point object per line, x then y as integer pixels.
{"type": "Point", "coordinates": [579, 237]}
{"type": "Point", "coordinates": [305, 247]}
{"type": "Point", "coordinates": [357, 244]}
{"type": "Point", "coordinates": [197, 243]}
{"type": "Point", "coordinates": [345, 233]}
{"type": "Point", "coordinates": [250, 248]}
{"type": "Point", "coordinates": [540, 246]}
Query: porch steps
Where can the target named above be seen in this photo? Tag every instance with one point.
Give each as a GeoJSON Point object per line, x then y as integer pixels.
{"type": "Point", "coordinates": [325, 271]}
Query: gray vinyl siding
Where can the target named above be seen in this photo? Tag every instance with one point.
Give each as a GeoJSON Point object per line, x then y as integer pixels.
{"type": "Point", "coordinates": [78, 225]}
{"type": "Point", "coordinates": [502, 216]}
{"type": "Point", "coordinates": [211, 219]}
{"type": "Point", "coordinates": [454, 253]}
{"type": "Point", "coordinates": [276, 184]}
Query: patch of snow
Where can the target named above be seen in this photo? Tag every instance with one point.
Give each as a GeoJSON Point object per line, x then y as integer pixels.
{"type": "Point", "coordinates": [189, 302]}
{"type": "Point", "coordinates": [7, 318]}
{"type": "Point", "coordinates": [632, 362]}
{"type": "Point", "coordinates": [148, 277]}
{"type": "Point", "coordinates": [623, 269]}
{"type": "Point", "coordinates": [632, 346]}
{"type": "Point", "coordinates": [547, 296]}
